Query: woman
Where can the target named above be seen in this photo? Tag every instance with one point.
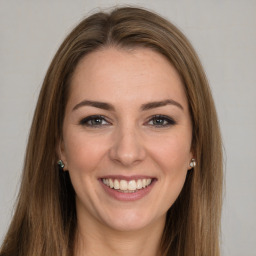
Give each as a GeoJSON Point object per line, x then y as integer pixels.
{"type": "Point", "coordinates": [126, 111]}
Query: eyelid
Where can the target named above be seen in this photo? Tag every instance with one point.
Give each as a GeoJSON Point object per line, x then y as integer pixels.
{"type": "Point", "coordinates": [170, 121]}
{"type": "Point", "coordinates": [167, 121]}
{"type": "Point", "coordinates": [84, 121]}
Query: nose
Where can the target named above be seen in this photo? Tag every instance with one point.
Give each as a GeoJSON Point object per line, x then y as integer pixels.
{"type": "Point", "coordinates": [127, 148]}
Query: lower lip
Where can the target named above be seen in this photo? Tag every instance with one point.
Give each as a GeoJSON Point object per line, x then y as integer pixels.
{"type": "Point", "coordinates": [121, 196]}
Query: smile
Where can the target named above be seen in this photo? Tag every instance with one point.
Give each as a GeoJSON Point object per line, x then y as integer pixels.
{"type": "Point", "coordinates": [125, 186]}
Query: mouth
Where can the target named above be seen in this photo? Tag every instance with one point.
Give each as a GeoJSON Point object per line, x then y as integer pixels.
{"type": "Point", "coordinates": [127, 186]}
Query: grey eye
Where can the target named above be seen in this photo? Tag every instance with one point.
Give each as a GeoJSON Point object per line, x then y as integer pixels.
{"type": "Point", "coordinates": [161, 121]}
{"type": "Point", "coordinates": [95, 120]}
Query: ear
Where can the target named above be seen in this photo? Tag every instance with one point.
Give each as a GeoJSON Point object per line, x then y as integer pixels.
{"type": "Point", "coordinates": [192, 161]}
{"type": "Point", "coordinates": [192, 155]}
{"type": "Point", "coordinates": [61, 154]}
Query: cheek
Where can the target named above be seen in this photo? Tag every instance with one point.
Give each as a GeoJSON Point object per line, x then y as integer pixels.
{"type": "Point", "coordinates": [172, 159]}
{"type": "Point", "coordinates": [172, 153]}
{"type": "Point", "coordinates": [83, 153]}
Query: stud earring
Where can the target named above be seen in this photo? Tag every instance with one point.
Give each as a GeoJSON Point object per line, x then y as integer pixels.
{"type": "Point", "coordinates": [61, 164]}
{"type": "Point", "coordinates": [192, 163]}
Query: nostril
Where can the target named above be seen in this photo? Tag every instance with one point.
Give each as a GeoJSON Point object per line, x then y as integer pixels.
{"type": "Point", "coordinates": [127, 150]}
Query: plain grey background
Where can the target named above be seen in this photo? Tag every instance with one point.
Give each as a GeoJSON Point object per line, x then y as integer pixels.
{"type": "Point", "coordinates": [224, 34]}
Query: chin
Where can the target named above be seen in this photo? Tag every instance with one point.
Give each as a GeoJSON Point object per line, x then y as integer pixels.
{"type": "Point", "coordinates": [131, 221]}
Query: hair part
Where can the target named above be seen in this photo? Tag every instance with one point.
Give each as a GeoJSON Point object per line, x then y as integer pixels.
{"type": "Point", "coordinates": [45, 219]}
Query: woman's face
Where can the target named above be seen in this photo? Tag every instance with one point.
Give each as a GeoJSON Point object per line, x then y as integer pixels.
{"type": "Point", "coordinates": [126, 138]}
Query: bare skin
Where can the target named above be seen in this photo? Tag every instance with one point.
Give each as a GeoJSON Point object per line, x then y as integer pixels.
{"type": "Point", "coordinates": [95, 242]}
{"type": "Point", "coordinates": [127, 122]}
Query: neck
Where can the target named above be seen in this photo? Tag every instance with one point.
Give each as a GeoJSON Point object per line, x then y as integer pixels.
{"type": "Point", "coordinates": [97, 240]}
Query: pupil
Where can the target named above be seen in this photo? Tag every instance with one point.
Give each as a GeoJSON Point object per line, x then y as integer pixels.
{"type": "Point", "coordinates": [97, 121]}
{"type": "Point", "coordinates": [158, 121]}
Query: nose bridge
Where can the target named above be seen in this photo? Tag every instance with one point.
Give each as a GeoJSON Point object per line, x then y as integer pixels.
{"type": "Point", "coordinates": [127, 146]}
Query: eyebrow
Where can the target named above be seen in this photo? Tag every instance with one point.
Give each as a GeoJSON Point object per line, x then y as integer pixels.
{"type": "Point", "coordinates": [144, 107]}
{"type": "Point", "coordinates": [157, 104]}
{"type": "Point", "coordinates": [96, 104]}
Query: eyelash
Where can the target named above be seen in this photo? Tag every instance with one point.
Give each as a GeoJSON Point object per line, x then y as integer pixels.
{"type": "Point", "coordinates": [86, 121]}
{"type": "Point", "coordinates": [165, 121]}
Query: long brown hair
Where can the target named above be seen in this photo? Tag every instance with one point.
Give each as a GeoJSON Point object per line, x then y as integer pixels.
{"type": "Point", "coordinates": [45, 219]}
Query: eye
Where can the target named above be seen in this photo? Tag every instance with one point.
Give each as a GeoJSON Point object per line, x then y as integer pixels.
{"type": "Point", "coordinates": [161, 121]}
{"type": "Point", "coordinates": [94, 121]}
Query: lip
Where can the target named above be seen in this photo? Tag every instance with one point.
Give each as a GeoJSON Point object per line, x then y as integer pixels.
{"type": "Point", "coordinates": [121, 196]}
{"type": "Point", "coordinates": [127, 178]}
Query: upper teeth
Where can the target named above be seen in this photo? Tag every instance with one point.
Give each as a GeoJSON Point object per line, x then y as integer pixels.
{"type": "Point", "coordinates": [127, 185]}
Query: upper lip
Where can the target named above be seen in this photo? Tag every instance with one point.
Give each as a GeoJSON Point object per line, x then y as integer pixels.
{"type": "Point", "coordinates": [127, 178]}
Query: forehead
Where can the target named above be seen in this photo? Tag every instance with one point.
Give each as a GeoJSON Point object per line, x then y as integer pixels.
{"type": "Point", "coordinates": [128, 75]}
